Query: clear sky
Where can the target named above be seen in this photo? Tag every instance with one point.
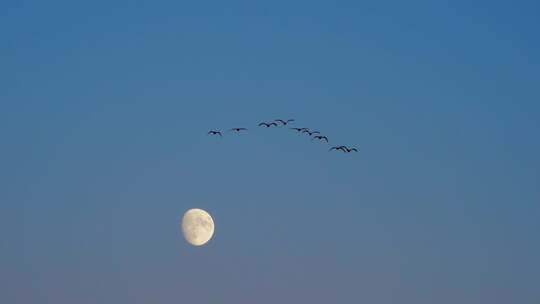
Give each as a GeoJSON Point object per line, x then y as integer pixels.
{"type": "Point", "coordinates": [105, 107]}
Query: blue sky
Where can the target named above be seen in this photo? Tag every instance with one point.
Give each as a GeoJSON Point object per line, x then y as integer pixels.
{"type": "Point", "coordinates": [105, 109]}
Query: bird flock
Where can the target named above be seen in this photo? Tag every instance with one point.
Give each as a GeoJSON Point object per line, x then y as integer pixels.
{"type": "Point", "coordinates": [314, 135]}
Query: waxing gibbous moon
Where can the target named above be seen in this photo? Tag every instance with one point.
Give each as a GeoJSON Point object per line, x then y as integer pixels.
{"type": "Point", "coordinates": [197, 227]}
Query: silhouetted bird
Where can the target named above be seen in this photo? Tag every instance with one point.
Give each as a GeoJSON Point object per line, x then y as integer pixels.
{"type": "Point", "coordinates": [311, 132]}
{"type": "Point", "coordinates": [212, 132]}
{"type": "Point", "coordinates": [284, 122]}
{"type": "Point", "coordinates": [238, 129]}
{"type": "Point", "coordinates": [299, 129]}
{"type": "Point", "coordinates": [319, 137]}
{"type": "Point", "coordinates": [268, 124]}
{"type": "Point", "coordinates": [341, 148]}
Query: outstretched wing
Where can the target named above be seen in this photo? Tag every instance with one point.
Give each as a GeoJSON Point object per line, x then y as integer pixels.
{"type": "Point", "coordinates": [324, 137]}
{"type": "Point", "coordinates": [272, 123]}
{"type": "Point", "coordinates": [281, 121]}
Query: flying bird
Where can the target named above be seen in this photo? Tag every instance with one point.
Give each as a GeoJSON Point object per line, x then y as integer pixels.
{"type": "Point", "coordinates": [268, 124]}
{"type": "Point", "coordinates": [320, 138]}
{"type": "Point", "coordinates": [311, 132]}
{"type": "Point", "coordinates": [299, 129]}
{"type": "Point", "coordinates": [284, 122]}
{"type": "Point", "coordinates": [238, 129]}
{"type": "Point", "coordinates": [350, 149]}
{"type": "Point", "coordinates": [341, 148]}
{"type": "Point", "coordinates": [212, 132]}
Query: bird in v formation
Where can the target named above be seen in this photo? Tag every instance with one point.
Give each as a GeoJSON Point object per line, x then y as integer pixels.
{"type": "Point", "coordinates": [338, 148]}
{"type": "Point", "coordinates": [311, 132]}
{"type": "Point", "coordinates": [214, 132]}
{"type": "Point", "coordinates": [345, 149]}
{"type": "Point", "coordinates": [268, 124]}
{"type": "Point", "coordinates": [238, 129]}
{"type": "Point", "coordinates": [284, 122]}
{"type": "Point", "coordinates": [320, 137]}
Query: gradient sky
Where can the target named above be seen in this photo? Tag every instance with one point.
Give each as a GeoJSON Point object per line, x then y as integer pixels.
{"type": "Point", "coordinates": [105, 107]}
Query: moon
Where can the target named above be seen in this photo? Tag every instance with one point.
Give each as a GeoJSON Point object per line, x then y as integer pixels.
{"type": "Point", "coordinates": [197, 227]}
